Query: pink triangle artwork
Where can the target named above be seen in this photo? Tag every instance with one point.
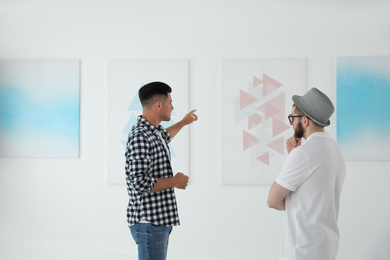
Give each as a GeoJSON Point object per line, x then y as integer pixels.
{"type": "Point", "coordinates": [271, 109]}
{"type": "Point", "coordinates": [264, 158]}
{"type": "Point", "coordinates": [246, 99]}
{"type": "Point", "coordinates": [249, 140]}
{"type": "Point", "coordinates": [254, 120]}
{"type": "Point", "coordinates": [256, 81]}
{"type": "Point", "coordinates": [278, 145]}
{"type": "Point", "coordinates": [279, 102]}
{"type": "Point", "coordinates": [261, 108]}
{"type": "Point", "coordinates": [255, 101]}
{"type": "Point", "coordinates": [278, 127]}
{"type": "Point", "coordinates": [270, 84]}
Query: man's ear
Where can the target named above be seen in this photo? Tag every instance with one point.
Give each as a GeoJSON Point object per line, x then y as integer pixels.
{"type": "Point", "coordinates": [306, 121]}
{"type": "Point", "coordinates": [158, 105]}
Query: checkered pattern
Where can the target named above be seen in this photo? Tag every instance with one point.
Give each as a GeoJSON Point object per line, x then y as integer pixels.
{"type": "Point", "coordinates": [146, 160]}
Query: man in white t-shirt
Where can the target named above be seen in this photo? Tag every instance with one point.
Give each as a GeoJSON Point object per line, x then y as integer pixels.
{"type": "Point", "coordinates": [309, 184]}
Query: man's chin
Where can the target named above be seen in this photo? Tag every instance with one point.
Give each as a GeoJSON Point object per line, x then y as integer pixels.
{"type": "Point", "coordinates": [298, 134]}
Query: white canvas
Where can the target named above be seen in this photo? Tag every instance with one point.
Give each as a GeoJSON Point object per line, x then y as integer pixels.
{"type": "Point", "coordinates": [256, 100]}
{"type": "Point", "coordinates": [125, 78]}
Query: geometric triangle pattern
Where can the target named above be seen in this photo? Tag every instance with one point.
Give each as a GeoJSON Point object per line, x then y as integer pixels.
{"type": "Point", "coordinates": [173, 154]}
{"type": "Point", "coordinates": [256, 81]}
{"type": "Point", "coordinates": [279, 102]}
{"type": "Point", "coordinates": [270, 110]}
{"type": "Point", "coordinates": [270, 84]}
{"type": "Point", "coordinates": [249, 140]}
{"type": "Point", "coordinates": [246, 99]}
{"type": "Point", "coordinates": [261, 108]}
{"type": "Point", "coordinates": [268, 99]}
{"type": "Point", "coordinates": [136, 108]}
{"type": "Point", "coordinates": [278, 127]}
{"type": "Point", "coordinates": [278, 145]}
{"type": "Point", "coordinates": [135, 105]}
{"type": "Point", "coordinates": [264, 158]}
{"type": "Point", "coordinates": [129, 124]}
{"type": "Point", "coordinates": [254, 120]}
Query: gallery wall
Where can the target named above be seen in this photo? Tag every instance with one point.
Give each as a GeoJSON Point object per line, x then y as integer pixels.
{"type": "Point", "coordinates": [54, 208]}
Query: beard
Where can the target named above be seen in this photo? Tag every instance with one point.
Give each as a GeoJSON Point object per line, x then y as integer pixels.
{"type": "Point", "coordinates": [299, 131]}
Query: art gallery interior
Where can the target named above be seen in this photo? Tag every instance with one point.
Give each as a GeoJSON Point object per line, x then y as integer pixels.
{"type": "Point", "coordinates": [65, 208]}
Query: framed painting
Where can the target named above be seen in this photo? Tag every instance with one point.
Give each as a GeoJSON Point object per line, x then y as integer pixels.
{"type": "Point", "coordinates": [256, 99]}
{"type": "Point", "coordinates": [39, 108]}
{"type": "Point", "coordinates": [363, 107]}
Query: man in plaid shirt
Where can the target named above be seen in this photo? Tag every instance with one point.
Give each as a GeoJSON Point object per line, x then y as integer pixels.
{"type": "Point", "coordinates": [152, 209]}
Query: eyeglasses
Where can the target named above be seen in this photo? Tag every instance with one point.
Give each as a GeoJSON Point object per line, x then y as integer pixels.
{"type": "Point", "coordinates": [291, 117]}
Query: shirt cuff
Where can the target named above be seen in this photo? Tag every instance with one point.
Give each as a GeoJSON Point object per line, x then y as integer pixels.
{"type": "Point", "coordinates": [285, 185]}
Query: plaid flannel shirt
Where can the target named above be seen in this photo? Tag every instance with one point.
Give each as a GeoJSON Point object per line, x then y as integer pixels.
{"type": "Point", "coordinates": [146, 160]}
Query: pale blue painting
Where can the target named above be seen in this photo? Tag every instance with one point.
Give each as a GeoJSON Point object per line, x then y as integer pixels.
{"type": "Point", "coordinates": [363, 107]}
{"type": "Point", "coordinates": [39, 108]}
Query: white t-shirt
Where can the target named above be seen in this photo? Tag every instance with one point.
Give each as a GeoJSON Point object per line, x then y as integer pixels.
{"type": "Point", "coordinates": [165, 144]}
{"type": "Point", "coordinates": [314, 172]}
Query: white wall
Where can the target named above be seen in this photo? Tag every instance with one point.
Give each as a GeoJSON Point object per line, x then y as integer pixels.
{"type": "Point", "coordinates": [64, 208]}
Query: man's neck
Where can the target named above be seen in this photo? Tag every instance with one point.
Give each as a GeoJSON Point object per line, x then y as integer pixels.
{"type": "Point", "coordinates": [309, 132]}
{"type": "Point", "coordinates": [152, 119]}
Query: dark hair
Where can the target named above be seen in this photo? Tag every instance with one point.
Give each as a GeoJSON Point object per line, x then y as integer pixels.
{"type": "Point", "coordinates": [148, 92]}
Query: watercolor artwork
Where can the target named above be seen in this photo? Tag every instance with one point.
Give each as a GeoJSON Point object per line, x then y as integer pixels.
{"type": "Point", "coordinates": [363, 107]}
{"type": "Point", "coordinates": [125, 78]}
{"type": "Point", "coordinates": [39, 108]}
{"type": "Point", "coordinates": [256, 100]}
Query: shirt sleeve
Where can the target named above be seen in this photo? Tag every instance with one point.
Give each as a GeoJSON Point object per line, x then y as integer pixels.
{"type": "Point", "coordinates": [167, 137]}
{"type": "Point", "coordinates": [295, 170]}
{"type": "Point", "coordinates": [139, 164]}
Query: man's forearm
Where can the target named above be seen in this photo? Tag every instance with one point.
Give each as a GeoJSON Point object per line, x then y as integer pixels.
{"type": "Point", "coordinates": [174, 129]}
{"type": "Point", "coordinates": [179, 181]}
{"type": "Point", "coordinates": [188, 119]}
{"type": "Point", "coordinates": [277, 196]}
{"type": "Point", "coordinates": [163, 184]}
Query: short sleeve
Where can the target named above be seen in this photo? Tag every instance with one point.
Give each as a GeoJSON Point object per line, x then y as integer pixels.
{"type": "Point", "coordinates": [295, 170]}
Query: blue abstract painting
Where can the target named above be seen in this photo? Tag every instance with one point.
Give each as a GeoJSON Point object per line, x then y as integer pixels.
{"type": "Point", "coordinates": [363, 107]}
{"type": "Point", "coordinates": [39, 108]}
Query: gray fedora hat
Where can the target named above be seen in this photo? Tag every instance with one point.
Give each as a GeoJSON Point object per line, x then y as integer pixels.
{"type": "Point", "coordinates": [315, 105]}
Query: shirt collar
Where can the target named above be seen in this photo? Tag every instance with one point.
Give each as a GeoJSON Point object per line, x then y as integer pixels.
{"type": "Point", "coordinates": [149, 126]}
{"type": "Point", "coordinates": [319, 134]}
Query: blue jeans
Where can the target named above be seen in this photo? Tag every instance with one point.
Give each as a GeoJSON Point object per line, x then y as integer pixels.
{"type": "Point", "coordinates": [152, 240]}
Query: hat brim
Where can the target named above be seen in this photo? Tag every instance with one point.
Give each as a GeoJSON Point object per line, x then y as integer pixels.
{"type": "Point", "coordinates": [297, 101]}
